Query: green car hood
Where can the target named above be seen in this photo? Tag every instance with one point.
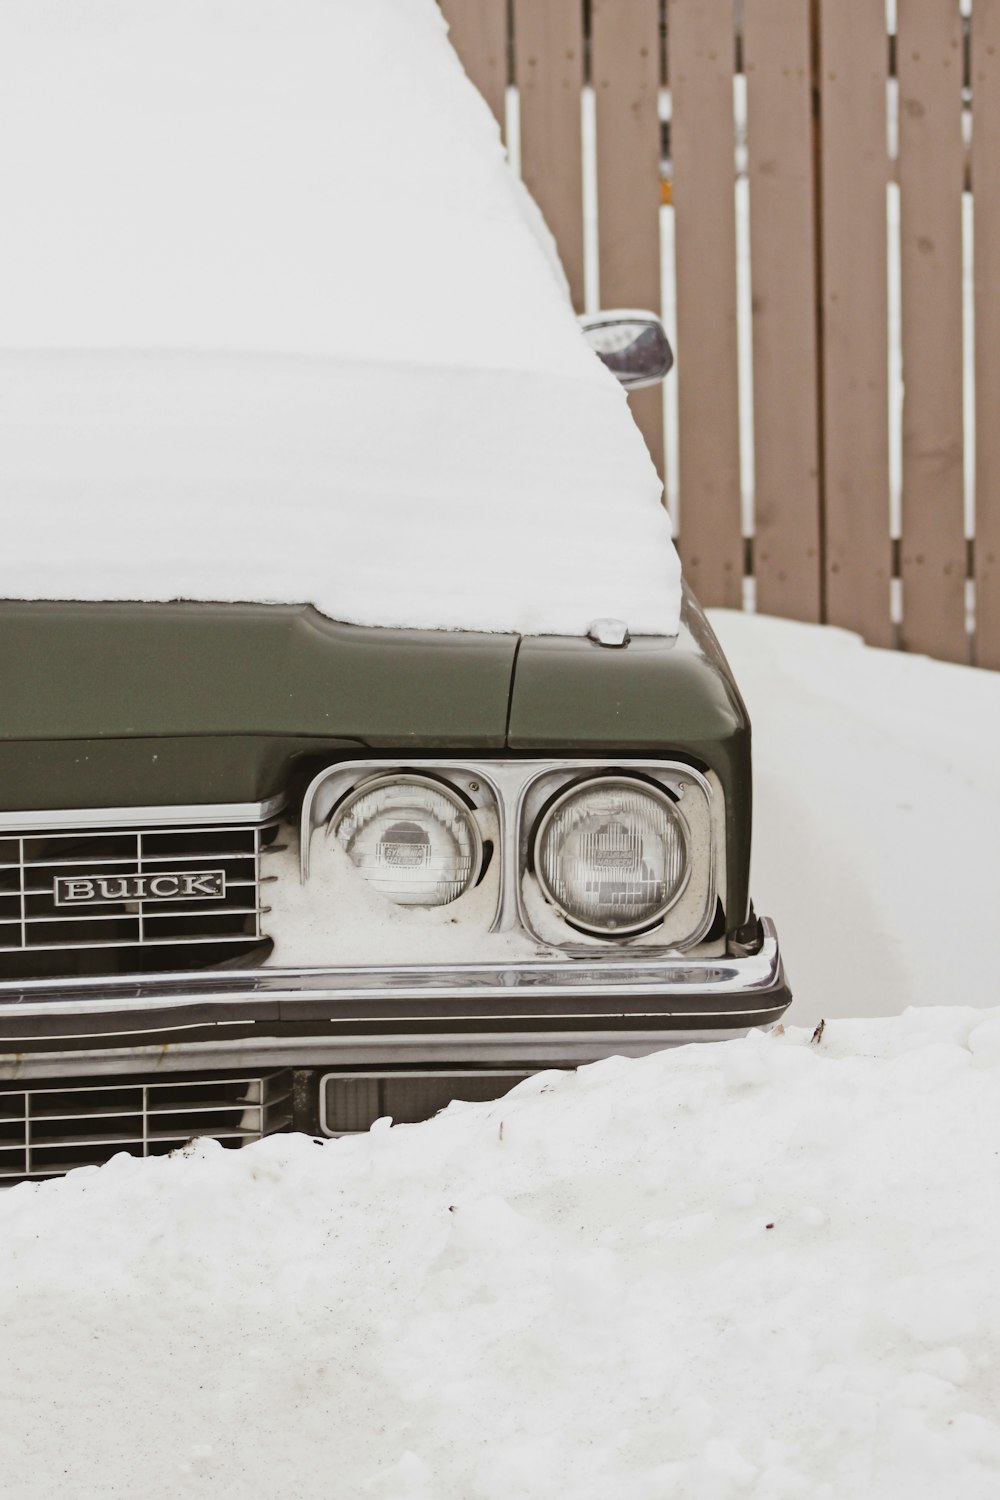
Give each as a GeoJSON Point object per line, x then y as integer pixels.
{"type": "Point", "coordinates": [99, 702]}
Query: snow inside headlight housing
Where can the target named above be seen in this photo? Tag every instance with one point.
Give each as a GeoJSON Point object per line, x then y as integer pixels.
{"type": "Point", "coordinates": [611, 855]}
{"type": "Point", "coordinates": [412, 838]}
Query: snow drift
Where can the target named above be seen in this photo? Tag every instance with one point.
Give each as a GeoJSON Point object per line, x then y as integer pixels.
{"type": "Point", "coordinates": [876, 816]}
{"type": "Point", "coordinates": [276, 325]}
{"type": "Point", "coordinates": [757, 1270]}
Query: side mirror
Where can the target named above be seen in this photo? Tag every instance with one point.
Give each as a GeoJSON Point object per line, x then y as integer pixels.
{"type": "Point", "coordinates": [632, 344]}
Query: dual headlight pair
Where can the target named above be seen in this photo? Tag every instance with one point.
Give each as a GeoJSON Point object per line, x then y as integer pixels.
{"type": "Point", "coordinates": [610, 853]}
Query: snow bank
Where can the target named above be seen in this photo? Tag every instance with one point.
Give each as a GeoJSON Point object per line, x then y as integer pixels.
{"type": "Point", "coordinates": [275, 325]}
{"type": "Point", "coordinates": [757, 1270]}
{"type": "Point", "coordinates": [876, 817]}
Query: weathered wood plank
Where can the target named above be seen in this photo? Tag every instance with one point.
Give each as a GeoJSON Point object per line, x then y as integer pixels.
{"type": "Point", "coordinates": [625, 70]}
{"type": "Point", "coordinates": [986, 255]}
{"type": "Point", "coordinates": [478, 31]}
{"type": "Point", "coordinates": [854, 175]}
{"type": "Point", "coordinates": [930, 184]}
{"type": "Point", "coordinates": [701, 80]}
{"type": "Point", "coordinates": [778, 63]}
{"type": "Point", "coordinates": [548, 51]}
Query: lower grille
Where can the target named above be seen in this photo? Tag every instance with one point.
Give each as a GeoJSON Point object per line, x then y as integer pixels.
{"type": "Point", "coordinates": [184, 888]}
{"type": "Point", "coordinates": [49, 1129]}
{"type": "Point", "coordinates": [352, 1102]}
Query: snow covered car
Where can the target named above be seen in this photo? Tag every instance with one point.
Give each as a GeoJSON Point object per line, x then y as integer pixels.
{"type": "Point", "coordinates": [359, 746]}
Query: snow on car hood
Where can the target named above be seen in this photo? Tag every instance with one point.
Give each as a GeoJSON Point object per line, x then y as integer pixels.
{"type": "Point", "coordinates": [276, 326]}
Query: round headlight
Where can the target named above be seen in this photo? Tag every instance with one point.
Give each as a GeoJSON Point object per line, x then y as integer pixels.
{"type": "Point", "coordinates": [412, 838]}
{"type": "Point", "coordinates": [611, 854]}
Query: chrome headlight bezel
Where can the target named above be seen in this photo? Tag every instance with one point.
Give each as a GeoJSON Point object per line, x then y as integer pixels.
{"type": "Point", "coordinates": [507, 796]}
{"type": "Point", "coordinates": [596, 784]}
{"type": "Point", "coordinates": [697, 797]}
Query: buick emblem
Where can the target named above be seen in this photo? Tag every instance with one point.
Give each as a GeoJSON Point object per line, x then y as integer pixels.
{"type": "Point", "coordinates": [166, 885]}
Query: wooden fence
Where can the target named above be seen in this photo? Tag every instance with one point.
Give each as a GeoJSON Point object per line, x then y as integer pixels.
{"type": "Point", "coordinates": [834, 432]}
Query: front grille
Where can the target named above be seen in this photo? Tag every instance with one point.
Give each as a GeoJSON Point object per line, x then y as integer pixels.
{"type": "Point", "coordinates": [41, 937]}
{"type": "Point", "coordinates": [50, 1128]}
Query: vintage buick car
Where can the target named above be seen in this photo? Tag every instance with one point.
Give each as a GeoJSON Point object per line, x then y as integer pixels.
{"type": "Point", "coordinates": [289, 838]}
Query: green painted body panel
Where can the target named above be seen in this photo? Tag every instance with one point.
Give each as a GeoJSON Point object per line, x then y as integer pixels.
{"type": "Point", "coordinates": [90, 671]}
{"type": "Point", "coordinates": [653, 697]}
{"type": "Point", "coordinates": [88, 690]}
{"type": "Point", "coordinates": [163, 772]}
{"type": "Point", "coordinates": [127, 704]}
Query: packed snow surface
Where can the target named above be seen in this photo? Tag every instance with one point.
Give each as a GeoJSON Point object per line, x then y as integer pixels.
{"type": "Point", "coordinates": [876, 817]}
{"type": "Point", "coordinates": [754, 1270]}
{"type": "Point", "coordinates": [278, 323]}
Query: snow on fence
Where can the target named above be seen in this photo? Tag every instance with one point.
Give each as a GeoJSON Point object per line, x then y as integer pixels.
{"type": "Point", "coordinates": [808, 190]}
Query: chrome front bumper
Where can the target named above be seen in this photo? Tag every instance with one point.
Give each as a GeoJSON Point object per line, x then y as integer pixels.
{"type": "Point", "coordinates": [531, 1012]}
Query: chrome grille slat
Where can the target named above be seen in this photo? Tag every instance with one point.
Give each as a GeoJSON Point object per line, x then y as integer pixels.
{"type": "Point", "coordinates": [24, 899]}
{"type": "Point", "coordinates": [123, 859]}
{"type": "Point", "coordinates": [190, 910]}
{"type": "Point", "coordinates": [90, 1087]}
{"type": "Point", "coordinates": [32, 860]}
{"type": "Point", "coordinates": [162, 942]}
{"type": "Point", "coordinates": [146, 1116]}
{"type": "Point", "coordinates": [136, 1137]}
{"type": "Point", "coordinates": [220, 1106]}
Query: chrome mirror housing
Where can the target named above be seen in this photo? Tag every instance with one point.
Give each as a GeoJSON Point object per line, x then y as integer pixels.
{"type": "Point", "coordinates": [633, 345]}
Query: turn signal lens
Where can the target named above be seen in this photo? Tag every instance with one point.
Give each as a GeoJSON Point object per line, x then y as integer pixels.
{"type": "Point", "coordinates": [412, 838]}
{"type": "Point", "coordinates": [611, 854]}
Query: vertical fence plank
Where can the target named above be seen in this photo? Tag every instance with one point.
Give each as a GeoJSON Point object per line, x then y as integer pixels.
{"type": "Point", "coordinates": [478, 32]}
{"type": "Point", "coordinates": [777, 52]}
{"type": "Point", "coordinates": [548, 65]}
{"type": "Point", "coordinates": [701, 82]}
{"type": "Point", "coordinates": [986, 258]}
{"type": "Point", "coordinates": [821, 394]}
{"type": "Point", "coordinates": [931, 162]}
{"type": "Point", "coordinates": [625, 69]}
{"type": "Point", "coordinates": [854, 173]}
